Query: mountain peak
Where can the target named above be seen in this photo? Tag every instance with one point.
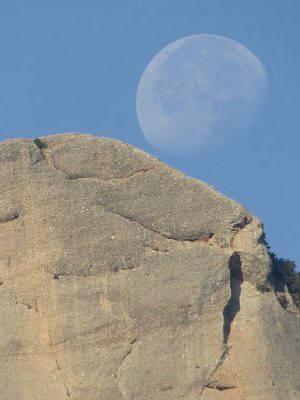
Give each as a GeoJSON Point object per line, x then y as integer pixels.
{"type": "Point", "coordinates": [122, 278]}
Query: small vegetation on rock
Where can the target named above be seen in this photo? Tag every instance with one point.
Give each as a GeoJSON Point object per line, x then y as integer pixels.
{"type": "Point", "coordinates": [41, 145]}
{"type": "Point", "coordinates": [283, 301]}
{"type": "Point", "coordinates": [263, 287]}
{"type": "Point", "coordinates": [284, 273]}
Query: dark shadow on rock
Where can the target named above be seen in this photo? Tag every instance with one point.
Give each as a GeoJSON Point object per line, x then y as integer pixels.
{"type": "Point", "coordinates": [233, 305]}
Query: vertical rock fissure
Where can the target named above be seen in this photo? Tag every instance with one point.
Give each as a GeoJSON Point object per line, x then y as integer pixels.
{"type": "Point", "coordinates": [67, 391]}
{"type": "Point", "coordinates": [229, 312]}
{"type": "Point", "coordinates": [233, 305]}
{"type": "Point", "coordinates": [128, 351]}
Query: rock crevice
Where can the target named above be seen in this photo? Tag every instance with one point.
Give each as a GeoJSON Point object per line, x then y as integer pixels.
{"type": "Point", "coordinates": [233, 305]}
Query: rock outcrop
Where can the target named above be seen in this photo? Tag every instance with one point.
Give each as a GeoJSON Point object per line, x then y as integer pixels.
{"type": "Point", "coordinates": [123, 279]}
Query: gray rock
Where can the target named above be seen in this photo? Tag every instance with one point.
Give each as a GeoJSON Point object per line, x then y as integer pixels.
{"type": "Point", "coordinates": [121, 278]}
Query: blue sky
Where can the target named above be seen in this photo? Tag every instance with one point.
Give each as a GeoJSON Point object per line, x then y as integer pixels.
{"type": "Point", "coordinates": [74, 65]}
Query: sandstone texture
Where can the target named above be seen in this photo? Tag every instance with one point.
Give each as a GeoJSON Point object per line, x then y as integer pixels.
{"type": "Point", "coordinates": [123, 279]}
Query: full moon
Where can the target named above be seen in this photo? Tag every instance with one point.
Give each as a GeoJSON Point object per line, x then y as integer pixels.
{"type": "Point", "coordinates": [198, 92]}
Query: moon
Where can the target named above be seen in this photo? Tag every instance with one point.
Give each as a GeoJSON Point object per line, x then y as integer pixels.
{"type": "Point", "coordinates": [198, 92]}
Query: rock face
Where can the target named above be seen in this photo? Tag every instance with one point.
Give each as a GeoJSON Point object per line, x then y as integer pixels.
{"type": "Point", "coordinates": [123, 279]}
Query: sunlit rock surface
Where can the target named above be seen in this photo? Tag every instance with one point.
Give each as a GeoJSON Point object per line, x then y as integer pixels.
{"type": "Point", "coordinates": [123, 279]}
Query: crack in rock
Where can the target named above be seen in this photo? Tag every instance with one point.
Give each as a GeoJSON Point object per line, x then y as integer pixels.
{"type": "Point", "coordinates": [9, 217]}
{"type": "Point", "coordinates": [67, 391]}
{"type": "Point", "coordinates": [120, 178]}
{"type": "Point", "coordinates": [218, 364]}
{"type": "Point", "coordinates": [241, 225]}
{"type": "Point", "coordinates": [233, 305]}
{"type": "Point", "coordinates": [128, 351]}
{"type": "Point", "coordinates": [220, 386]}
{"type": "Point", "coordinates": [237, 228]}
{"type": "Point", "coordinates": [229, 312]}
{"type": "Point", "coordinates": [48, 158]}
{"type": "Point", "coordinates": [205, 237]}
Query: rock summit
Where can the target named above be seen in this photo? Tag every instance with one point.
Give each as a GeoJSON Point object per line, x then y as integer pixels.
{"type": "Point", "coordinates": [123, 279]}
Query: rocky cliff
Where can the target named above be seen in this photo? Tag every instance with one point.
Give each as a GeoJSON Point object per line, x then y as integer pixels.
{"type": "Point", "coordinates": [123, 279]}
